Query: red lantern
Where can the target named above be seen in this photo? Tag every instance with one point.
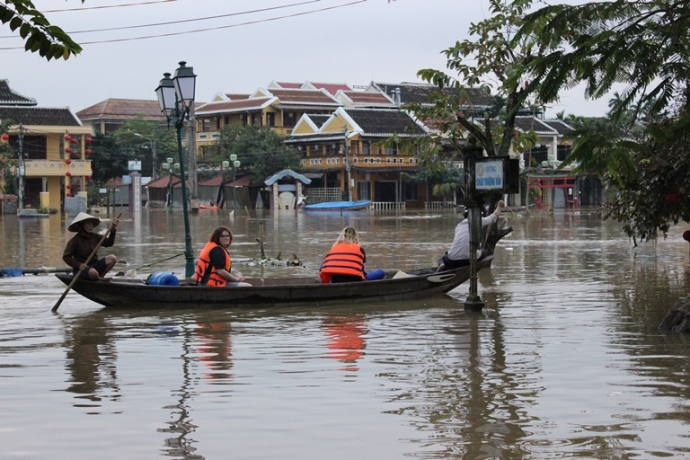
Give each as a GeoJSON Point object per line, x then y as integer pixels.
{"type": "Point", "coordinates": [88, 139]}
{"type": "Point", "coordinates": [72, 140]}
{"type": "Point", "coordinates": [68, 161]}
{"type": "Point", "coordinates": [69, 150]}
{"type": "Point", "coordinates": [673, 198]}
{"type": "Point", "coordinates": [68, 137]}
{"type": "Point", "coordinates": [5, 137]}
{"type": "Point", "coordinates": [68, 174]}
{"type": "Point", "coordinates": [87, 151]}
{"type": "Point", "coordinates": [88, 177]}
{"type": "Point", "coordinates": [68, 186]}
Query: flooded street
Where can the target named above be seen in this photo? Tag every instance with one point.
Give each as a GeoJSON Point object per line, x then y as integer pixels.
{"type": "Point", "coordinates": [565, 360]}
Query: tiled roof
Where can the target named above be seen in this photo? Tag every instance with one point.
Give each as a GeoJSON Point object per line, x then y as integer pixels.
{"type": "Point", "coordinates": [122, 109]}
{"type": "Point", "coordinates": [10, 97]}
{"type": "Point", "coordinates": [236, 96]}
{"type": "Point", "coordinates": [284, 84]}
{"type": "Point", "coordinates": [370, 98]}
{"type": "Point", "coordinates": [384, 122]}
{"type": "Point", "coordinates": [162, 182]}
{"type": "Point", "coordinates": [531, 123]}
{"type": "Point", "coordinates": [560, 126]}
{"type": "Point", "coordinates": [319, 119]}
{"type": "Point", "coordinates": [232, 106]}
{"type": "Point", "coordinates": [38, 116]}
{"type": "Point", "coordinates": [332, 88]}
{"type": "Point", "coordinates": [304, 97]}
{"type": "Point", "coordinates": [420, 93]}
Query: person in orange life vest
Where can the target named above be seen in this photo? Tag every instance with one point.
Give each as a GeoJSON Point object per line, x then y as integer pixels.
{"type": "Point", "coordinates": [213, 266]}
{"type": "Point", "coordinates": [81, 245]}
{"type": "Point", "coordinates": [345, 260]}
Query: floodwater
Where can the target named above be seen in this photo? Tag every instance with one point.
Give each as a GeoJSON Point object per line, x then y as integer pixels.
{"type": "Point", "coordinates": [565, 360]}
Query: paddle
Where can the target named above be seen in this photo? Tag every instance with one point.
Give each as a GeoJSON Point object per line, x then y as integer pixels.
{"type": "Point", "coordinates": [78, 274]}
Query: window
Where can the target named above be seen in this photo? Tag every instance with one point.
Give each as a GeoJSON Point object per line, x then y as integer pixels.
{"type": "Point", "coordinates": [206, 124]}
{"type": "Point", "coordinates": [354, 148]}
{"type": "Point", "coordinates": [289, 119]}
{"type": "Point", "coordinates": [270, 119]}
{"type": "Point", "coordinates": [410, 191]}
{"type": "Point", "coordinates": [366, 148]}
{"type": "Point", "coordinates": [256, 119]}
{"type": "Point", "coordinates": [245, 119]}
{"type": "Point", "coordinates": [391, 151]}
{"type": "Point", "coordinates": [226, 120]}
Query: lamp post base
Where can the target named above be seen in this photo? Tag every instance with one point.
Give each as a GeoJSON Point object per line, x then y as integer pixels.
{"type": "Point", "coordinates": [474, 303]}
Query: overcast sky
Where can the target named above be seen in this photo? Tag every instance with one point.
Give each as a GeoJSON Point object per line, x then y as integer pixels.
{"type": "Point", "coordinates": [242, 48]}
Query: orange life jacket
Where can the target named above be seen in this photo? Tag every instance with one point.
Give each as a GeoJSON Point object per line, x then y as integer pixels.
{"type": "Point", "coordinates": [206, 273]}
{"type": "Point", "coordinates": [343, 259]}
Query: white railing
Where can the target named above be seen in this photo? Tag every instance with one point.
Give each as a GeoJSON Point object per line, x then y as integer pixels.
{"type": "Point", "coordinates": [319, 194]}
{"type": "Point", "coordinates": [439, 205]}
{"type": "Point", "coordinates": [388, 206]}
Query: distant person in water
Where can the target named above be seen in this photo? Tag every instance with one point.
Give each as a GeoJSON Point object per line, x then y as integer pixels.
{"type": "Point", "coordinates": [459, 253]}
{"type": "Point", "coordinates": [80, 247]}
{"type": "Point", "coordinates": [214, 264]}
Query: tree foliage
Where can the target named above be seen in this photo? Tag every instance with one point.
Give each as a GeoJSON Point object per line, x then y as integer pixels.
{"type": "Point", "coordinates": [642, 45]}
{"type": "Point", "coordinates": [39, 35]}
{"type": "Point", "coordinates": [261, 151]}
{"type": "Point", "coordinates": [488, 61]}
{"type": "Point", "coordinates": [137, 137]}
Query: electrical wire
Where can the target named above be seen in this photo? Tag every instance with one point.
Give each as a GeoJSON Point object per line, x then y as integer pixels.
{"type": "Point", "coordinates": [209, 29]}
{"type": "Point", "coordinates": [85, 8]}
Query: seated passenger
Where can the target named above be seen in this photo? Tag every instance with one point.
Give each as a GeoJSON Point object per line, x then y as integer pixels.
{"type": "Point", "coordinates": [345, 260]}
{"type": "Point", "coordinates": [213, 266]}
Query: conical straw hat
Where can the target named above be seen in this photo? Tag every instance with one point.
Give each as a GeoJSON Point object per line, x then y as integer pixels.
{"type": "Point", "coordinates": [82, 217]}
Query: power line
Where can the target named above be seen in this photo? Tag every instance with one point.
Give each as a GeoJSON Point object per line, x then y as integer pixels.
{"type": "Point", "coordinates": [259, 21]}
{"type": "Point", "coordinates": [209, 29]}
{"type": "Point", "coordinates": [183, 21]}
{"type": "Point", "coordinates": [85, 8]}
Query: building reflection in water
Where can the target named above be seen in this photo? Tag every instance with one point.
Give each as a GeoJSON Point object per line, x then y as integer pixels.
{"type": "Point", "coordinates": [345, 339]}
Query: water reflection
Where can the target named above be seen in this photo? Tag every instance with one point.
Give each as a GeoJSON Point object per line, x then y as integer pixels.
{"type": "Point", "coordinates": [345, 339]}
{"type": "Point", "coordinates": [564, 361]}
{"type": "Point", "coordinates": [91, 359]}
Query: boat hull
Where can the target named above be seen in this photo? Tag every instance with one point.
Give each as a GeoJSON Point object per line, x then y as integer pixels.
{"type": "Point", "coordinates": [338, 206]}
{"type": "Point", "coordinates": [275, 292]}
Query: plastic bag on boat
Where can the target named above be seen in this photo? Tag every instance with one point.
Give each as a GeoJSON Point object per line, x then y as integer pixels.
{"type": "Point", "coordinates": [162, 279]}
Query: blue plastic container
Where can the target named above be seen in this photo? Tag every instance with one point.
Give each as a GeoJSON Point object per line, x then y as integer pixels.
{"type": "Point", "coordinates": [377, 274]}
{"type": "Point", "coordinates": [163, 279]}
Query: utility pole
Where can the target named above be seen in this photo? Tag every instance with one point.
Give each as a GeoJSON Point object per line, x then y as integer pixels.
{"type": "Point", "coordinates": [347, 166]}
{"type": "Point", "coordinates": [22, 169]}
{"type": "Point", "coordinates": [191, 149]}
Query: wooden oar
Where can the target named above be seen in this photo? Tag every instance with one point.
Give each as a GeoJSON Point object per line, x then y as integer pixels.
{"type": "Point", "coordinates": [78, 274]}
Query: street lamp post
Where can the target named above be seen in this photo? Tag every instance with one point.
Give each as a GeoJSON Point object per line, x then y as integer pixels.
{"type": "Point", "coordinates": [168, 166]}
{"type": "Point", "coordinates": [176, 96]}
{"type": "Point", "coordinates": [154, 175]}
{"type": "Point", "coordinates": [235, 164]}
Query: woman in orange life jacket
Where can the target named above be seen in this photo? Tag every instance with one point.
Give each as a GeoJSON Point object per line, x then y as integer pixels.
{"type": "Point", "coordinates": [213, 266]}
{"type": "Point", "coordinates": [345, 261]}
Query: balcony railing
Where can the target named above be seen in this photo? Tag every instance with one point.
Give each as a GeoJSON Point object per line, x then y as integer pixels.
{"type": "Point", "coordinates": [42, 168]}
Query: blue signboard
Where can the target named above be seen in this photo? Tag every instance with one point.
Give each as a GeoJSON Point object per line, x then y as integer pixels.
{"type": "Point", "coordinates": [488, 174]}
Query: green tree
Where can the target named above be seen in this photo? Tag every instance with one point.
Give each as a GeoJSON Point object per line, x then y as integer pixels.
{"type": "Point", "coordinates": [137, 136]}
{"type": "Point", "coordinates": [109, 159]}
{"type": "Point", "coordinates": [260, 150]}
{"type": "Point", "coordinates": [486, 62]}
{"type": "Point", "coordinates": [642, 45]}
{"type": "Point", "coordinates": [40, 36]}
{"type": "Point", "coordinates": [8, 160]}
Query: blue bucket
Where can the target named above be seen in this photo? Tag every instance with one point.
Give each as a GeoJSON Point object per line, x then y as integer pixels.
{"type": "Point", "coordinates": [163, 279]}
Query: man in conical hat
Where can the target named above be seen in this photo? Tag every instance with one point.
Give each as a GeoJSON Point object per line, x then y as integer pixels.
{"type": "Point", "coordinates": [81, 245]}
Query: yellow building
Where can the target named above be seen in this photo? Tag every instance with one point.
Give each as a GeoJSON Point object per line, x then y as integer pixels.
{"type": "Point", "coordinates": [343, 152]}
{"type": "Point", "coordinates": [51, 147]}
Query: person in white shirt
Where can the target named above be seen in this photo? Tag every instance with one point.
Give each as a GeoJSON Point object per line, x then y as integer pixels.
{"type": "Point", "coordinates": [459, 253]}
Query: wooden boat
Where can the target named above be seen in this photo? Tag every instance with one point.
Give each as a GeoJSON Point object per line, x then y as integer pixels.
{"type": "Point", "coordinates": [272, 292]}
{"type": "Point", "coordinates": [207, 206]}
{"type": "Point", "coordinates": [338, 205]}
